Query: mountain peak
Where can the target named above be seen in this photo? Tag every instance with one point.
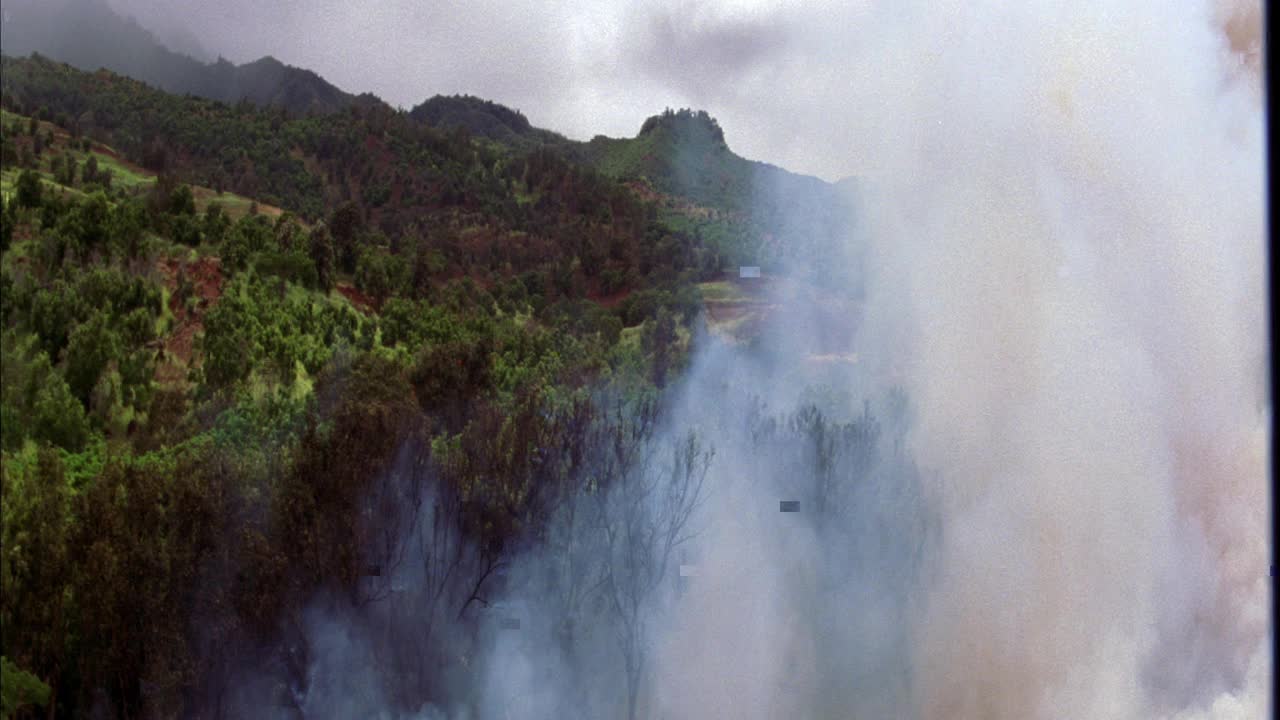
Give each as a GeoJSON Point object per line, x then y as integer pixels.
{"type": "Point", "coordinates": [482, 117]}
{"type": "Point", "coordinates": [266, 60]}
{"type": "Point", "coordinates": [685, 124]}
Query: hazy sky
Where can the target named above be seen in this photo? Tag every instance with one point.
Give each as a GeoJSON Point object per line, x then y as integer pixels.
{"type": "Point", "coordinates": [771, 72]}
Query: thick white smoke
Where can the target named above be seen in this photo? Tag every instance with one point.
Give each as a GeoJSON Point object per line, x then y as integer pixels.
{"type": "Point", "coordinates": [1066, 228]}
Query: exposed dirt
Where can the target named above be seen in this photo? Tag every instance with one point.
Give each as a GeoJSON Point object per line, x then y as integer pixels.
{"type": "Point", "coordinates": [363, 303]}
{"type": "Point", "coordinates": [204, 281]}
{"type": "Point", "coordinates": [609, 301]}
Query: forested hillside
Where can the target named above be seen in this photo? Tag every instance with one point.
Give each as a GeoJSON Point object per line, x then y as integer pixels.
{"type": "Point", "coordinates": [241, 344]}
{"type": "Point", "coordinates": [201, 388]}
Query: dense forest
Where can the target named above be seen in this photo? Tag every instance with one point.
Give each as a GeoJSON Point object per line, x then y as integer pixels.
{"type": "Point", "coordinates": [239, 342]}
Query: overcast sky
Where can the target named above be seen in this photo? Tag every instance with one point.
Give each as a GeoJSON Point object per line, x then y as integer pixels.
{"type": "Point", "coordinates": [773, 73]}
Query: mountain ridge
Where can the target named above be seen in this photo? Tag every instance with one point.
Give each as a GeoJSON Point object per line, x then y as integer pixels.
{"type": "Point", "coordinates": [90, 35]}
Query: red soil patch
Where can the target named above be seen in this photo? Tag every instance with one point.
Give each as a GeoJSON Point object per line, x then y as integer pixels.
{"type": "Point", "coordinates": [363, 302]}
{"type": "Point", "coordinates": [609, 301]}
{"type": "Point", "coordinates": [205, 279]}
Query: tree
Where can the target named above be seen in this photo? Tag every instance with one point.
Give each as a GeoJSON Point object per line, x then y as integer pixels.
{"type": "Point", "coordinates": [91, 347]}
{"type": "Point", "coordinates": [323, 256]}
{"type": "Point", "coordinates": [90, 173]}
{"type": "Point", "coordinates": [6, 224]}
{"type": "Point", "coordinates": [448, 376]}
{"type": "Point", "coordinates": [231, 332]}
{"type": "Point", "coordinates": [381, 274]}
{"type": "Point", "coordinates": [28, 189]}
{"type": "Point", "coordinates": [68, 174]}
{"type": "Point", "coordinates": [216, 223]}
{"type": "Point", "coordinates": [659, 335]}
{"type": "Point", "coordinates": [182, 202]}
{"type": "Point", "coordinates": [647, 518]}
{"type": "Point", "coordinates": [19, 688]}
{"type": "Point", "coordinates": [35, 563]}
{"type": "Point", "coordinates": [87, 223]}
{"type": "Point", "coordinates": [125, 229]}
{"type": "Point", "coordinates": [345, 225]}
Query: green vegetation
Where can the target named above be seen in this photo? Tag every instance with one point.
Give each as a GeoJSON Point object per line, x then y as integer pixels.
{"type": "Point", "coordinates": [750, 212]}
{"type": "Point", "coordinates": [485, 119]}
{"type": "Point", "coordinates": [233, 334]}
{"type": "Point", "coordinates": [199, 395]}
{"type": "Point", "coordinates": [19, 688]}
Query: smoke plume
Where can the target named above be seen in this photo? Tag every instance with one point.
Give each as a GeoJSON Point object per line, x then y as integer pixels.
{"type": "Point", "coordinates": [1069, 227]}
{"type": "Point", "coordinates": [1032, 481]}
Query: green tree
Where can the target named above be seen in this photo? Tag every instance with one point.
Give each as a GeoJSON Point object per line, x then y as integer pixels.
{"type": "Point", "coordinates": [232, 339]}
{"type": "Point", "coordinates": [86, 225]}
{"type": "Point", "coordinates": [28, 190]}
{"type": "Point", "coordinates": [19, 688]}
{"type": "Point", "coordinates": [381, 274]}
{"type": "Point", "coordinates": [69, 168]}
{"type": "Point", "coordinates": [34, 563]}
{"type": "Point", "coordinates": [53, 310]}
{"type": "Point", "coordinates": [323, 256]}
{"type": "Point", "coordinates": [345, 225]}
{"type": "Point", "coordinates": [6, 224]}
{"type": "Point", "coordinates": [182, 202]}
{"type": "Point", "coordinates": [216, 223]}
{"type": "Point", "coordinates": [185, 229]}
{"type": "Point", "coordinates": [91, 347]}
{"type": "Point", "coordinates": [125, 230]}
{"type": "Point", "coordinates": [90, 173]}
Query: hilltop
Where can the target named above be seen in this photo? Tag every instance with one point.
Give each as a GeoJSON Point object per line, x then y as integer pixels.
{"type": "Point", "coordinates": [756, 213]}
{"type": "Point", "coordinates": [485, 119]}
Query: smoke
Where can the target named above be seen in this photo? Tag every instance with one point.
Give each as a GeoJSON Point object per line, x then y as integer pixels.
{"type": "Point", "coordinates": [1028, 447]}
{"type": "Point", "coordinates": [1069, 227]}
{"type": "Point", "coordinates": [1064, 231]}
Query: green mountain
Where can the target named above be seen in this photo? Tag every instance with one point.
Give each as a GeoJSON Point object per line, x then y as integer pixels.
{"type": "Point", "coordinates": [757, 213]}
{"type": "Point", "coordinates": [681, 154]}
{"type": "Point", "coordinates": [89, 35]}
{"type": "Point", "coordinates": [486, 119]}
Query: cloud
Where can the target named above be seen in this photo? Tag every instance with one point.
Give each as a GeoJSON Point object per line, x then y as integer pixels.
{"type": "Point", "coordinates": [705, 53]}
{"type": "Point", "coordinates": [579, 68]}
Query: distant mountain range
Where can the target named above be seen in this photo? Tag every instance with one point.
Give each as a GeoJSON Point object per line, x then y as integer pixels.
{"type": "Point", "coordinates": [89, 35]}
{"type": "Point", "coordinates": [682, 156]}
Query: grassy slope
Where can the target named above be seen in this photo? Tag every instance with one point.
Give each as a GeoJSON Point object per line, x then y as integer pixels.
{"type": "Point", "coordinates": [124, 174]}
